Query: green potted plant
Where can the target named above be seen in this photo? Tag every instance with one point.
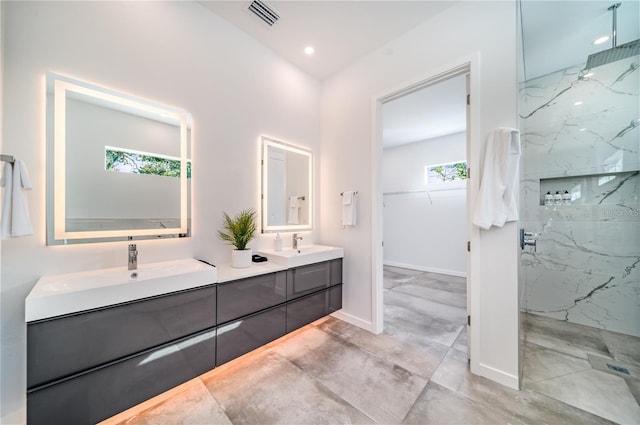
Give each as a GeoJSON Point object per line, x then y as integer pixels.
{"type": "Point", "coordinates": [239, 231]}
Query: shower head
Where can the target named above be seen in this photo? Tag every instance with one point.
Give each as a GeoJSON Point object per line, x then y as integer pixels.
{"type": "Point", "coordinates": [615, 53]}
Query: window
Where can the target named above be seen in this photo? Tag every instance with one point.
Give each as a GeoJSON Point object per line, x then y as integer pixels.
{"type": "Point", "coordinates": [450, 175]}
{"type": "Point", "coordinates": [135, 162]}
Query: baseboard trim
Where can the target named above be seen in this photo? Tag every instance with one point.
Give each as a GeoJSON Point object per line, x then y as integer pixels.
{"type": "Point", "coordinates": [498, 376]}
{"type": "Point", "coordinates": [356, 321]}
{"type": "Point", "coordinates": [425, 269]}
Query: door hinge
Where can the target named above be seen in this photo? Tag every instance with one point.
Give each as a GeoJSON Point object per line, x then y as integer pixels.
{"type": "Point", "coordinates": [468, 246]}
{"type": "Point", "coordinates": [468, 173]}
{"type": "Point", "coordinates": [468, 99]}
{"type": "Point", "coordinates": [468, 320]}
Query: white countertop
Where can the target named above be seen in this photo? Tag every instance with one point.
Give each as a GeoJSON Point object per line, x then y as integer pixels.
{"type": "Point", "coordinates": [56, 295]}
{"type": "Point", "coordinates": [227, 273]}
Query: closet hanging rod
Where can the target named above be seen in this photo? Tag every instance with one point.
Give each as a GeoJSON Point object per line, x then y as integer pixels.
{"type": "Point", "coordinates": [355, 193]}
{"type": "Point", "coordinates": [7, 158]}
{"type": "Point", "coordinates": [403, 192]}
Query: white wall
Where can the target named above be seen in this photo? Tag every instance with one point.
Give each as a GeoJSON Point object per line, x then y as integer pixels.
{"type": "Point", "coordinates": [481, 30]}
{"type": "Point", "coordinates": [424, 232]}
{"type": "Point", "coordinates": [175, 53]}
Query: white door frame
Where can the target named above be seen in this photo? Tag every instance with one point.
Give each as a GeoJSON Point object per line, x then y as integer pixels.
{"type": "Point", "coordinates": [469, 66]}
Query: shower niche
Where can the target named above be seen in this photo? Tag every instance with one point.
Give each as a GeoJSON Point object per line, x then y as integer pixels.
{"type": "Point", "coordinates": [613, 188]}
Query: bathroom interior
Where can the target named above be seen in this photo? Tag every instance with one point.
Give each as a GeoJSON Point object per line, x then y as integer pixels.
{"type": "Point", "coordinates": [555, 320]}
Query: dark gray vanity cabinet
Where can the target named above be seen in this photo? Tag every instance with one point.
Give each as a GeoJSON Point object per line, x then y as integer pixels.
{"type": "Point", "coordinates": [241, 336]}
{"type": "Point", "coordinates": [251, 313]}
{"type": "Point", "coordinates": [88, 366]}
{"type": "Point", "coordinates": [313, 277]}
{"type": "Point", "coordinates": [310, 297]}
{"type": "Point", "coordinates": [107, 390]}
{"type": "Point", "coordinates": [242, 297]}
{"type": "Point", "coordinates": [85, 367]}
{"type": "Point", "coordinates": [66, 345]}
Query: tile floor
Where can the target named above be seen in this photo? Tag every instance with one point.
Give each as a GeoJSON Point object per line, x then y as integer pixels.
{"type": "Point", "coordinates": [416, 372]}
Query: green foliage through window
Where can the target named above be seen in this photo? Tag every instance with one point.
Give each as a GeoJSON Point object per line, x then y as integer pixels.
{"type": "Point", "coordinates": [443, 173]}
{"type": "Point", "coordinates": [142, 163]}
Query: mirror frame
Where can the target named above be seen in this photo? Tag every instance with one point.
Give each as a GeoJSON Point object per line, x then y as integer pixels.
{"type": "Point", "coordinates": [58, 86]}
{"type": "Point", "coordinates": [266, 228]}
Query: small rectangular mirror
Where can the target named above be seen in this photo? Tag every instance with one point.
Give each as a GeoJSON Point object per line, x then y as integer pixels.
{"type": "Point", "coordinates": [286, 187]}
{"type": "Point", "coordinates": [117, 165]}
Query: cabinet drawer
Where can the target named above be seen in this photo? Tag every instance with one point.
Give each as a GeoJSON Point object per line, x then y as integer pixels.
{"type": "Point", "coordinates": [239, 337]}
{"type": "Point", "coordinates": [305, 310]}
{"type": "Point", "coordinates": [248, 296]}
{"type": "Point", "coordinates": [63, 346]}
{"type": "Point", "coordinates": [336, 271]}
{"type": "Point", "coordinates": [100, 394]}
{"type": "Point", "coordinates": [307, 279]}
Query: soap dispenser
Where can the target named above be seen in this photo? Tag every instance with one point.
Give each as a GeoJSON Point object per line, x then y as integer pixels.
{"type": "Point", "coordinates": [548, 199]}
{"type": "Point", "coordinates": [566, 198]}
{"type": "Point", "coordinates": [277, 243]}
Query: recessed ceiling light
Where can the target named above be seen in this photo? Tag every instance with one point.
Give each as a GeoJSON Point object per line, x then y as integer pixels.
{"type": "Point", "coordinates": [309, 50]}
{"type": "Point", "coordinates": [588, 75]}
{"type": "Point", "coordinates": [578, 103]}
{"type": "Point", "coordinates": [601, 40]}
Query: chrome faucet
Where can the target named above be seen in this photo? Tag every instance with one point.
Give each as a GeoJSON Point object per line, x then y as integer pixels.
{"type": "Point", "coordinates": [133, 257]}
{"type": "Point", "coordinates": [295, 239]}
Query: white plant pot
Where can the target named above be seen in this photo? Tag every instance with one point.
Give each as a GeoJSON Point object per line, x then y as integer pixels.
{"type": "Point", "coordinates": [241, 259]}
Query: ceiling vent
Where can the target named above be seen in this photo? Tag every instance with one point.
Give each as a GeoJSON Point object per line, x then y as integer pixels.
{"type": "Point", "coordinates": [263, 11]}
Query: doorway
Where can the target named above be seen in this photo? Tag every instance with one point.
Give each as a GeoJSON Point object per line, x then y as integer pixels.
{"type": "Point", "coordinates": [421, 178]}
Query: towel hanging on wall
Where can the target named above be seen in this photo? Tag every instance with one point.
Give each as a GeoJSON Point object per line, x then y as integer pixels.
{"type": "Point", "coordinates": [15, 213]}
{"type": "Point", "coordinates": [497, 198]}
{"type": "Point", "coordinates": [294, 210]}
{"type": "Point", "coordinates": [349, 208]}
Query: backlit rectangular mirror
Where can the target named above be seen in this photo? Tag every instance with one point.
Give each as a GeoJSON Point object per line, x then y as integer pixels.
{"type": "Point", "coordinates": [118, 166]}
{"type": "Point", "coordinates": [286, 187]}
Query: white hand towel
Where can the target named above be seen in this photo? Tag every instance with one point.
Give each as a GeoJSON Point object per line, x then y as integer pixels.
{"type": "Point", "coordinates": [294, 210]}
{"type": "Point", "coordinates": [497, 201]}
{"type": "Point", "coordinates": [7, 183]}
{"type": "Point", "coordinates": [15, 213]}
{"type": "Point", "coordinates": [348, 208]}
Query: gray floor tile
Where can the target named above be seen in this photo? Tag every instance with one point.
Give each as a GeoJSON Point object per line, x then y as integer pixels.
{"type": "Point", "coordinates": [525, 405]}
{"type": "Point", "coordinates": [461, 341]}
{"type": "Point", "coordinates": [399, 272]}
{"type": "Point", "coordinates": [597, 392]}
{"type": "Point", "coordinates": [624, 348]}
{"type": "Point", "coordinates": [541, 364]}
{"type": "Point", "coordinates": [419, 359]}
{"type": "Point", "coordinates": [426, 307]}
{"type": "Point", "coordinates": [564, 337]}
{"type": "Point", "coordinates": [193, 406]}
{"type": "Point", "coordinates": [382, 390]}
{"type": "Point", "coordinates": [439, 295]}
{"type": "Point", "coordinates": [631, 370]}
{"type": "Point", "coordinates": [634, 387]}
{"type": "Point", "coordinates": [438, 405]}
{"type": "Point", "coordinates": [268, 389]}
{"type": "Point", "coordinates": [442, 282]}
{"type": "Point", "coordinates": [407, 325]}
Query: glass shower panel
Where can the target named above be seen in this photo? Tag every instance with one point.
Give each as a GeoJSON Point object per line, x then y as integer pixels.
{"type": "Point", "coordinates": [581, 135]}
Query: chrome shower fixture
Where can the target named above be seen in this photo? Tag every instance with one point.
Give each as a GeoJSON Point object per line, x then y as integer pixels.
{"type": "Point", "coordinates": [615, 53]}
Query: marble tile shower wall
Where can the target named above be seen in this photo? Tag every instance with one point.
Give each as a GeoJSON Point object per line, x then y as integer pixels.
{"type": "Point", "coordinates": [582, 135]}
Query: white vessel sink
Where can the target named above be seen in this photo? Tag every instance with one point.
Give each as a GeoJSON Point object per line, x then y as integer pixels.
{"type": "Point", "coordinates": [56, 295]}
{"type": "Point", "coordinates": [305, 254]}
